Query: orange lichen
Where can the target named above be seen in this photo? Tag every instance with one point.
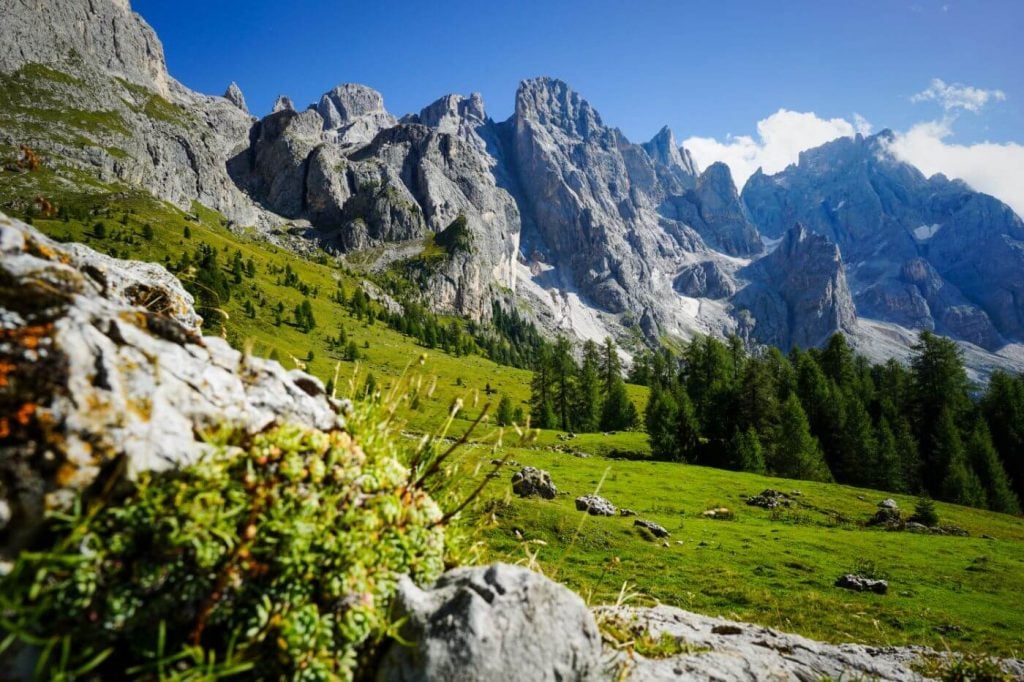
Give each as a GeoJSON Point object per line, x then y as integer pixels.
{"type": "Point", "coordinates": [24, 414]}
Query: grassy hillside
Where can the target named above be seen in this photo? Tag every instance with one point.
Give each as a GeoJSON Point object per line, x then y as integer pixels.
{"type": "Point", "coordinates": [774, 569]}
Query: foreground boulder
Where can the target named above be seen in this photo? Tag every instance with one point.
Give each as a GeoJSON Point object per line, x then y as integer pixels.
{"type": "Point", "coordinates": [104, 372]}
{"type": "Point", "coordinates": [653, 528]}
{"type": "Point", "coordinates": [499, 623]}
{"type": "Point", "coordinates": [532, 482]}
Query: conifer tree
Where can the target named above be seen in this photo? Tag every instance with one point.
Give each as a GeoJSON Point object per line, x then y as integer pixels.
{"type": "Point", "coordinates": [984, 459]}
{"type": "Point", "coordinates": [504, 415]}
{"type": "Point", "coordinates": [747, 453]}
{"type": "Point", "coordinates": [795, 452]}
{"type": "Point", "coordinates": [660, 420]}
{"type": "Point", "coordinates": [587, 404]}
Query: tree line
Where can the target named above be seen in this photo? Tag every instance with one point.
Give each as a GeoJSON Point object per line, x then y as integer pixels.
{"type": "Point", "coordinates": [589, 395]}
{"type": "Point", "coordinates": [829, 414]}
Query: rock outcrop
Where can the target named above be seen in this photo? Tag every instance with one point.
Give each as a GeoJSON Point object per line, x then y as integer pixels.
{"type": "Point", "coordinates": [104, 372]}
{"type": "Point", "coordinates": [502, 623]}
{"type": "Point", "coordinates": [719, 649]}
{"type": "Point", "coordinates": [799, 295]}
{"type": "Point", "coordinates": [234, 95]}
{"type": "Point", "coordinates": [86, 86]}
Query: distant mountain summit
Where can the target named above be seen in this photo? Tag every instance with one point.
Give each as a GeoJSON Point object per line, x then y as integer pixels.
{"type": "Point", "coordinates": [926, 253]}
{"type": "Point", "coordinates": [559, 214]}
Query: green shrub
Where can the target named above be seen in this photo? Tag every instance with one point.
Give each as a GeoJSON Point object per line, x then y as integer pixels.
{"type": "Point", "coordinates": [924, 512]}
{"type": "Point", "coordinates": [278, 553]}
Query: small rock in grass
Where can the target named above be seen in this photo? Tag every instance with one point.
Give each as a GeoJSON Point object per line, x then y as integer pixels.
{"type": "Point", "coordinates": [859, 583]}
{"type": "Point", "coordinates": [655, 529]}
{"type": "Point", "coordinates": [595, 505]}
{"type": "Point", "coordinates": [530, 481]}
{"type": "Point", "coordinates": [626, 512]}
{"type": "Point", "coordinates": [769, 499]}
{"type": "Point", "coordinates": [719, 513]}
{"type": "Point", "coordinates": [888, 503]}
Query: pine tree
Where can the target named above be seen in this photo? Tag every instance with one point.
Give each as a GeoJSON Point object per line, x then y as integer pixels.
{"type": "Point", "coordinates": [563, 370]}
{"type": "Point", "coordinates": [747, 453]}
{"type": "Point", "coordinates": [587, 404]}
{"type": "Point", "coordinates": [795, 452]}
{"type": "Point", "coordinates": [687, 428]}
{"type": "Point", "coordinates": [984, 459]}
{"type": "Point", "coordinates": [618, 412]}
{"type": "Point", "coordinates": [660, 419]}
{"type": "Point", "coordinates": [1003, 408]}
{"type": "Point", "coordinates": [856, 460]}
{"type": "Point", "coordinates": [958, 483]}
{"type": "Point", "coordinates": [542, 406]}
{"type": "Point", "coordinates": [888, 470]}
{"type": "Point", "coordinates": [504, 414]}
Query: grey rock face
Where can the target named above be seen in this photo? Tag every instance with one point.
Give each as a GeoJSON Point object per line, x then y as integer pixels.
{"type": "Point", "coordinates": [234, 95]}
{"type": "Point", "coordinates": [530, 482]}
{"type": "Point", "coordinates": [704, 280]}
{"type": "Point", "coordinates": [927, 253]}
{"type": "Point", "coordinates": [106, 35]}
{"type": "Point", "coordinates": [353, 113]}
{"type": "Point", "coordinates": [729, 650]}
{"type": "Point", "coordinates": [147, 130]}
{"type": "Point", "coordinates": [109, 356]}
{"type": "Point", "coordinates": [799, 295]}
{"type": "Point", "coordinates": [502, 623]}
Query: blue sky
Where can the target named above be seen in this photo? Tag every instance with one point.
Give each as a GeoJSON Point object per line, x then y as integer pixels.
{"type": "Point", "coordinates": [708, 69]}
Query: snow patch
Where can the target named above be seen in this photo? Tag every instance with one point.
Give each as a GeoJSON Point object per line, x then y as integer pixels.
{"type": "Point", "coordinates": [770, 244]}
{"type": "Point", "coordinates": [926, 232]}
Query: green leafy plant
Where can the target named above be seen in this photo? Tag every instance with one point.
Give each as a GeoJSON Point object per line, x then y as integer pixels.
{"type": "Point", "coordinates": [280, 552]}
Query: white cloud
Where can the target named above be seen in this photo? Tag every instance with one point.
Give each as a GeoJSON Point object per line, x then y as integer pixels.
{"type": "Point", "coordinates": [956, 96]}
{"type": "Point", "coordinates": [780, 139]}
{"type": "Point", "coordinates": [993, 168]}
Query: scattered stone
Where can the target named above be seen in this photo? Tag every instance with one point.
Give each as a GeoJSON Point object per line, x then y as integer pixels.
{"type": "Point", "coordinates": [626, 512]}
{"type": "Point", "coordinates": [595, 505]}
{"type": "Point", "coordinates": [859, 583]}
{"type": "Point", "coordinates": [795, 493]}
{"type": "Point", "coordinates": [888, 503]}
{"type": "Point", "coordinates": [949, 629]}
{"type": "Point", "coordinates": [769, 499]}
{"type": "Point", "coordinates": [655, 529]}
{"type": "Point", "coordinates": [496, 622]}
{"type": "Point", "coordinates": [530, 481]}
{"type": "Point", "coordinates": [887, 516]}
{"type": "Point", "coordinates": [915, 527]}
{"type": "Point", "coordinates": [719, 513]}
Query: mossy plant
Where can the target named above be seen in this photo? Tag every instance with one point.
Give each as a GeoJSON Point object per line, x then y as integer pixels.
{"type": "Point", "coordinates": [278, 554]}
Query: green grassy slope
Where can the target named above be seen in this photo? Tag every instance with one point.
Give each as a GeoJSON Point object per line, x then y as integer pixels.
{"type": "Point", "coordinates": [775, 569]}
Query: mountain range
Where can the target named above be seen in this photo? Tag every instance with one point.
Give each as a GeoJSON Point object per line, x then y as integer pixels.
{"type": "Point", "coordinates": [564, 218]}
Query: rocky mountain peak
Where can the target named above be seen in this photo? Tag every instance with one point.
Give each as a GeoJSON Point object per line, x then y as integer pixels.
{"type": "Point", "coordinates": [234, 95]}
{"type": "Point", "coordinates": [552, 103]}
{"type": "Point", "coordinates": [663, 149]}
{"type": "Point", "coordinates": [283, 103]}
{"type": "Point", "coordinates": [354, 112]}
{"type": "Point", "coordinates": [448, 112]}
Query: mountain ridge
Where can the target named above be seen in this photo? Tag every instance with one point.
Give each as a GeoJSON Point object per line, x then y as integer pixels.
{"type": "Point", "coordinates": [594, 234]}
